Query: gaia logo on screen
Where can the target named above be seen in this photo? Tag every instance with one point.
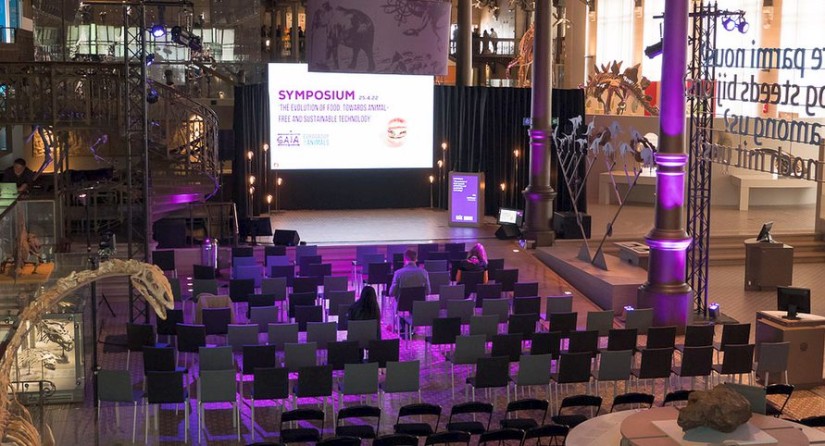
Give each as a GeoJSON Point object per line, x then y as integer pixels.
{"type": "Point", "coordinates": [349, 121]}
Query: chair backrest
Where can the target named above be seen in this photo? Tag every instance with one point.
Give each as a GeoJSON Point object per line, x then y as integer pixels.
{"type": "Point", "coordinates": [306, 250]}
{"type": "Point", "coordinates": [255, 356]}
{"type": "Point", "coordinates": [335, 283]}
{"type": "Point", "coordinates": [487, 291]}
{"type": "Point", "coordinates": [343, 317]}
{"type": "Point", "coordinates": [276, 250]}
{"type": "Point", "coordinates": [404, 376]}
{"type": "Point", "coordinates": [168, 326]}
{"type": "Point", "coordinates": [362, 331]}
{"type": "Point", "coordinates": [338, 298]}
{"type": "Point", "coordinates": [190, 337]}
{"type": "Point", "coordinates": [217, 386]}
{"type": "Point", "coordinates": [408, 295]}
{"type": "Point", "coordinates": [661, 337]}
{"type": "Point", "coordinates": [473, 408]}
{"type": "Point", "coordinates": [437, 280]}
{"type": "Point", "coordinates": [453, 437]}
{"type": "Point", "coordinates": [445, 330]}
{"type": "Point", "coordinates": [304, 285]}
{"type": "Point", "coordinates": [632, 400]}
{"type": "Point", "coordinates": [203, 272]}
{"type": "Point", "coordinates": [282, 260]}
{"type": "Point", "coordinates": [377, 272]}
{"type": "Point", "coordinates": [281, 334]}
{"type": "Point", "coordinates": [139, 336]}
{"type": "Point", "coordinates": [601, 321]}
{"type": "Point", "coordinates": [508, 345]}
{"type": "Point", "coordinates": [322, 333]}
{"type": "Point", "coordinates": [396, 440]}
{"type": "Point", "coordinates": [305, 261]}
{"type": "Point", "coordinates": [424, 250]}
{"type": "Point", "coordinates": [315, 381]}
{"type": "Point", "coordinates": [285, 271]}
{"type": "Point", "coordinates": [319, 270]}
{"type": "Point", "coordinates": [583, 341]}
{"type": "Point", "coordinates": [242, 251]}
{"type": "Point", "coordinates": [381, 351]}
{"type": "Point", "coordinates": [362, 251]}
{"type": "Point", "coordinates": [486, 325]}
{"type": "Point", "coordinates": [523, 324]}
{"type": "Point", "coordinates": [243, 261]}
{"type": "Point", "coordinates": [263, 316]}
{"type": "Point", "coordinates": [614, 365]}
{"type": "Point", "coordinates": [525, 289]}
{"type": "Point", "coordinates": [341, 353]}
{"type": "Point", "coordinates": [772, 357]}
{"type": "Point", "coordinates": [239, 335]}
{"type": "Point", "coordinates": [527, 304]}
{"type": "Point", "coordinates": [303, 299]}
{"type": "Point", "coordinates": [498, 307]}
{"type": "Point", "coordinates": [699, 335]}
{"type": "Point", "coordinates": [507, 278]}
{"type": "Point", "coordinates": [676, 397]}
{"type": "Point", "coordinates": [260, 300]}
{"type": "Point", "coordinates": [581, 401]}
{"type": "Point", "coordinates": [574, 368]}
{"type": "Point", "coordinates": [435, 265]}
{"type": "Point", "coordinates": [158, 359]}
{"type": "Point", "coordinates": [177, 293]}
{"type": "Point", "coordinates": [450, 292]}
{"type": "Point", "coordinates": [501, 437]}
{"type": "Point", "coordinates": [424, 312]}
{"type": "Point", "coordinates": [115, 386]}
{"type": "Point", "coordinates": [546, 343]}
{"type": "Point", "coordinates": [656, 363]}
{"type": "Point", "coordinates": [469, 348]}
{"type": "Point", "coordinates": [216, 320]}
{"type": "Point", "coordinates": [420, 410]}
{"type": "Point", "coordinates": [201, 286]}
{"type": "Point", "coordinates": [622, 339]}
{"type": "Point", "coordinates": [558, 304]}
{"type": "Point", "coordinates": [463, 309]}
{"type": "Point", "coordinates": [215, 358]}
{"type": "Point", "coordinates": [300, 355]}
{"type": "Point", "coordinates": [735, 334]}
{"type": "Point", "coordinates": [360, 379]}
{"type": "Point", "coordinates": [296, 415]}
{"type": "Point", "coordinates": [165, 388]}
{"type": "Point", "coordinates": [534, 370]}
{"type": "Point", "coordinates": [470, 280]}
{"type": "Point", "coordinates": [737, 359]}
{"type": "Point", "coordinates": [552, 433]}
{"type": "Point", "coordinates": [492, 372]}
{"type": "Point", "coordinates": [248, 274]}
{"type": "Point", "coordinates": [755, 395]}
{"type": "Point", "coordinates": [639, 318]}
{"type": "Point", "coordinates": [697, 361]}
{"type": "Point", "coordinates": [564, 323]}
{"type": "Point", "coordinates": [270, 383]}
{"type": "Point", "coordinates": [275, 286]}
{"type": "Point", "coordinates": [305, 314]}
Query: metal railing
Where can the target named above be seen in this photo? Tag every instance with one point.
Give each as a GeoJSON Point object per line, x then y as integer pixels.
{"type": "Point", "coordinates": [26, 393]}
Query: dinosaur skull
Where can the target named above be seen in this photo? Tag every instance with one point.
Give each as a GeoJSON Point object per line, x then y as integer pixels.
{"type": "Point", "coordinates": [150, 282]}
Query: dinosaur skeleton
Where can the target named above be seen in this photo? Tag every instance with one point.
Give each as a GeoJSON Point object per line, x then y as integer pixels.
{"type": "Point", "coordinates": [56, 332]}
{"type": "Point", "coordinates": [148, 280]}
{"type": "Point", "coordinates": [607, 82]}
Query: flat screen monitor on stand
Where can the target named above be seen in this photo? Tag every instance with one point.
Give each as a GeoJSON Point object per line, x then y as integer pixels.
{"type": "Point", "coordinates": [765, 233]}
{"type": "Point", "coordinates": [793, 300]}
{"type": "Point", "coordinates": [510, 221]}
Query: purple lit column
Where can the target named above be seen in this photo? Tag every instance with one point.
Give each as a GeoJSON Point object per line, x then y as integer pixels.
{"type": "Point", "coordinates": [538, 195]}
{"type": "Point", "coordinates": [666, 290]}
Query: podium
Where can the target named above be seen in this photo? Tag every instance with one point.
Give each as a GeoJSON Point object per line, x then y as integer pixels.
{"type": "Point", "coordinates": [806, 336]}
{"type": "Point", "coordinates": [767, 265]}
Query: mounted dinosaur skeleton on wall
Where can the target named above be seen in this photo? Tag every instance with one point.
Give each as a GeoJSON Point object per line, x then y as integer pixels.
{"type": "Point", "coordinates": [148, 280]}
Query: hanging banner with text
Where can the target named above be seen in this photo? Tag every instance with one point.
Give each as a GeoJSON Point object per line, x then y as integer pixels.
{"type": "Point", "coordinates": [378, 36]}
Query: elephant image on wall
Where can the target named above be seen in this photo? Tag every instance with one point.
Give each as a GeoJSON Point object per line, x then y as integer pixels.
{"type": "Point", "coordinates": [351, 28]}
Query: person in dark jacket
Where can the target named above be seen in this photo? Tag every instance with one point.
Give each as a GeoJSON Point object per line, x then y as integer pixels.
{"type": "Point", "coordinates": [366, 308]}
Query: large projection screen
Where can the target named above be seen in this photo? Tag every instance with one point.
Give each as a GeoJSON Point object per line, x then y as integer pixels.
{"type": "Point", "coordinates": [466, 199]}
{"type": "Point", "coordinates": [349, 121]}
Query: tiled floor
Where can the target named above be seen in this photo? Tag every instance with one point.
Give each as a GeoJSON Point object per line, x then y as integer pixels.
{"type": "Point", "coordinates": [76, 424]}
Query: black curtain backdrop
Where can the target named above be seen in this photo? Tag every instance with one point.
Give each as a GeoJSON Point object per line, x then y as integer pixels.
{"type": "Point", "coordinates": [482, 128]}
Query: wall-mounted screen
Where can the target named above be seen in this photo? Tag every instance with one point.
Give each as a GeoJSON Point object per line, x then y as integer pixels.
{"type": "Point", "coordinates": [349, 121]}
{"type": "Point", "coordinates": [466, 199]}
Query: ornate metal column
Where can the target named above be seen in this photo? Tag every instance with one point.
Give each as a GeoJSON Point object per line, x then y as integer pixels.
{"type": "Point", "coordinates": [464, 45]}
{"type": "Point", "coordinates": [538, 195]}
{"type": "Point", "coordinates": [666, 290]}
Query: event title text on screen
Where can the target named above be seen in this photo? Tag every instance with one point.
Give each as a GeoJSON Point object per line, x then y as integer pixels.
{"type": "Point", "coordinates": [319, 95]}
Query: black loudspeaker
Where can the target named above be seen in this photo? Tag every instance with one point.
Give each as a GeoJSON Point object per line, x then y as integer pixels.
{"type": "Point", "coordinates": [565, 226]}
{"type": "Point", "coordinates": [505, 232]}
{"type": "Point", "coordinates": [286, 237]}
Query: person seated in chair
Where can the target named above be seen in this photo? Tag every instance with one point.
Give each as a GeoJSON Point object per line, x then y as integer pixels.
{"type": "Point", "coordinates": [476, 261]}
{"type": "Point", "coordinates": [19, 174]}
{"type": "Point", "coordinates": [366, 308]}
{"type": "Point", "coordinates": [410, 275]}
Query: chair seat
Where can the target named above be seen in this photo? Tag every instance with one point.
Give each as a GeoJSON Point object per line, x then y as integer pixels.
{"type": "Point", "coordinates": [519, 423]}
{"type": "Point", "coordinates": [472, 427]}
{"type": "Point", "coordinates": [300, 435]}
{"type": "Point", "coordinates": [570, 421]}
{"type": "Point", "coordinates": [359, 431]}
{"type": "Point", "coordinates": [416, 429]}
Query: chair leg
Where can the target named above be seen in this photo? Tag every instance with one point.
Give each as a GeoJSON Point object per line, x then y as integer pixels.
{"type": "Point", "coordinates": [185, 421]}
{"type": "Point", "coordinates": [146, 422]}
{"type": "Point", "coordinates": [134, 421]}
{"type": "Point", "coordinates": [252, 416]}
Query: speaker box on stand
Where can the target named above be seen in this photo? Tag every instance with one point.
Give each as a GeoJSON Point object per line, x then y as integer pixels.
{"type": "Point", "coordinates": [286, 237]}
{"type": "Point", "coordinates": [505, 232]}
{"type": "Point", "coordinates": [566, 226]}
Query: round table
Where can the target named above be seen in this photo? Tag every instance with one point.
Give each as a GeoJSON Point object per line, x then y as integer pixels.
{"type": "Point", "coordinates": [637, 428]}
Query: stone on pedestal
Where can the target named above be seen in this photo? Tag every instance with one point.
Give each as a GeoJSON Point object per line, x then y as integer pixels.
{"type": "Point", "coordinates": [721, 409]}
